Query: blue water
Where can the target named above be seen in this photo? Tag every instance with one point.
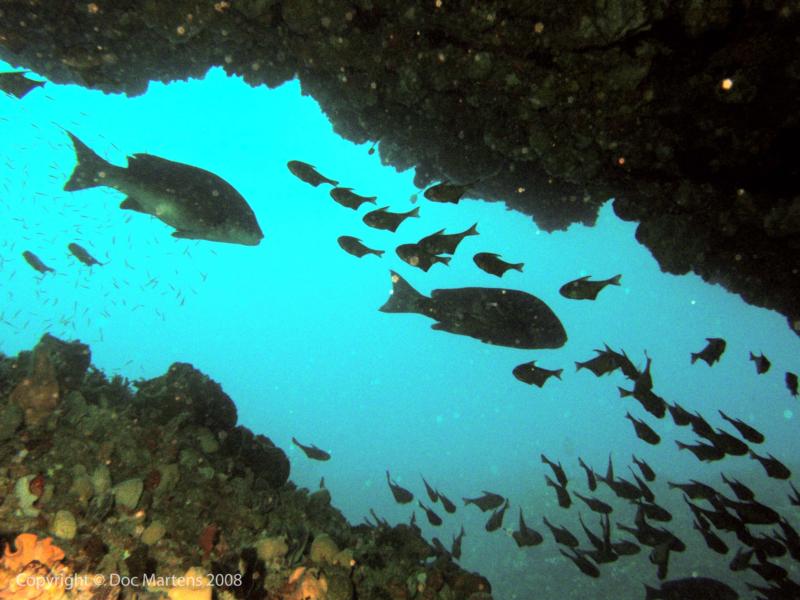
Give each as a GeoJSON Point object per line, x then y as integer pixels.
{"type": "Point", "coordinates": [291, 330]}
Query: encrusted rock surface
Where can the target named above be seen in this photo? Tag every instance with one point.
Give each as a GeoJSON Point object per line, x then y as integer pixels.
{"type": "Point", "coordinates": [685, 112]}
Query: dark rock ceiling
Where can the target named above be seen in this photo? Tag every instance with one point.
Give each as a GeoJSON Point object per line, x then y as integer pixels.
{"type": "Point", "coordinates": [686, 112]}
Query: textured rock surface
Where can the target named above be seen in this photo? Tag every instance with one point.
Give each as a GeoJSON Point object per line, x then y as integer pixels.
{"type": "Point", "coordinates": [560, 105]}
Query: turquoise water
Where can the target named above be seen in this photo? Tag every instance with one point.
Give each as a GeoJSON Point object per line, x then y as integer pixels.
{"type": "Point", "coordinates": [291, 330]}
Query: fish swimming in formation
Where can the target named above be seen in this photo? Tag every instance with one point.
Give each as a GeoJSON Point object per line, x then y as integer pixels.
{"type": "Point", "coordinates": [434, 497]}
{"type": "Point", "coordinates": [525, 536]}
{"type": "Point", "coordinates": [447, 504]}
{"type": "Point", "coordinates": [447, 192]}
{"type": "Point", "coordinates": [16, 84]}
{"type": "Point", "coordinates": [455, 547]}
{"type": "Point", "coordinates": [564, 500]}
{"type": "Point", "coordinates": [561, 535]}
{"type": "Point", "coordinates": [352, 245]}
{"type": "Point", "coordinates": [791, 383]}
{"type": "Point", "coordinates": [692, 588]}
{"type": "Point", "coordinates": [401, 494]}
{"type": "Point", "coordinates": [703, 452]}
{"type": "Point", "coordinates": [416, 256]}
{"type": "Point", "coordinates": [748, 432]}
{"type": "Point", "coordinates": [583, 289]}
{"type": "Point", "coordinates": [35, 262]}
{"type": "Point", "coordinates": [445, 243]}
{"type": "Point", "coordinates": [762, 363]}
{"type": "Point", "coordinates": [712, 352]}
{"type": "Point", "coordinates": [773, 467]}
{"type": "Point", "coordinates": [432, 517]}
{"type": "Point", "coordinates": [494, 265]}
{"type": "Point", "coordinates": [346, 197]}
{"type": "Point", "coordinates": [496, 316]}
{"type": "Point", "coordinates": [312, 451]}
{"type": "Point", "coordinates": [495, 522]}
{"type": "Point", "coordinates": [591, 479]}
{"type": "Point", "coordinates": [83, 255]}
{"type": "Point", "coordinates": [557, 469]}
{"type": "Point", "coordinates": [381, 218]}
{"type": "Point", "coordinates": [197, 203]}
{"type": "Point", "coordinates": [532, 375]}
{"type": "Point", "coordinates": [308, 173]}
{"type": "Point", "coordinates": [646, 470]}
{"type": "Point", "coordinates": [488, 501]}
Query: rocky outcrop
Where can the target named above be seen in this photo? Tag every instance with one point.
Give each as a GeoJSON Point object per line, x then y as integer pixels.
{"type": "Point", "coordinates": [684, 112]}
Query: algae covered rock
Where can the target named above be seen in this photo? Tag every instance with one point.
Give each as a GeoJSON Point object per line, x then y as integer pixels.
{"type": "Point", "coordinates": [257, 453]}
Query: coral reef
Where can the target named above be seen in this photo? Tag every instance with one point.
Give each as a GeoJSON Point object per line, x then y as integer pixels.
{"type": "Point", "coordinates": [150, 488]}
{"type": "Point", "coordinates": [684, 112]}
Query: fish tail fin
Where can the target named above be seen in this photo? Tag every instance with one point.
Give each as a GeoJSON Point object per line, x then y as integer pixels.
{"type": "Point", "coordinates": [578, 366]}
{"type": "Point", "coordinates": [695, 356]}
{"type": "Point", "coordinates": [403, 298]}
{"type": "Point", "coordinates": [623, 393]}
{"type": "Point", "coordinates": [681, 445]}
{"type": "Point", "coordinates": [414, 213]}
{"type": "Point", "coordinates": [752, 356]}
{"type": "Point", "coordinates": [472, 230]}
{"type": "Point", "coordinates": [615, 280]}
{"type": "Point", "coordinates": [445, 260]}
{"type": "Point", "coordinates": [86, 169]}
{"type": "Point", "coordinates": [558, 373]}
{"type": "Point", "coordinates": [378, 252]}
{"type": "Point", "coordinates": [518, 266]}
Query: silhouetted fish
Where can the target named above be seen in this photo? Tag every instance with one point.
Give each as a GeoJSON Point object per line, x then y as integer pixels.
{"type": "Point", "coordinates": [774, 468]}
{"type": "Point", "coordinates": [646, 470]}
{"type": "Point", "coordinates": [312, 451]}
{"type": "Point", "coordinates": [703, 452]}
{"type": "Point", "coordinates": [749, 433]}
{"type": "Point", "coordinates": [532, 375]}
{"type": "Point", "coordinates": [495, 522]}
{"type": "Point", "coordinates": [762, 363]}
{"type": "Point", "coordinates": [561, 535]}
{"type": "Point", "coordinates": [381, 218]}
{"type": "Point", "coordinates": [83, 255]}
{"type": "Point", "coordinates": [16, 84]}
{"type": "Point", "coordinates": [741, 491]}
{"type": "Point", "coordinates": [415, 256]}
{"type": "Point", "coordinates": [695, 489]}
{"type": "Point", "coordinates": [591, 480]}
{"type": "Point", "coordinates": [557, 469]}
{"type": "Point", "coordinates": [584, 564]}
{"type": "Point", "coordinates": [447, 504]}
{"type": "Point", "coordinates": [494, 316]}
{"type": "Point", "coordinates": [583, 289]}
{"type": "Point", "coordinates": [712, 352]}
{"type": "Point", "coordinates": [35, 262]}
{"type": "Point", "coordinates": [446, 192]}
{"type": "Point", "coordinates": [791, 383]}
{"type": "Point", "coordinates": [197, 203]}
{"type": "Point", "coordinates": [525, 536]}
{"type": "Point", "coordinates": [564, 501]}
{"type": "Point", "coordinates": [595, 505]}
{"type": "Point", "coordinates": [433, 518]}
{"type": "Point", "coordinates": [713, 541]}
{"type": "Point", "coordinates": [728, 443]}
{"type": "Point", "coordinates": [349, 199]}
{"type": "Point", "coordinates": [430, 491]}
{"type": "Point", "coordinates": [308, 173]}
{"type": "Point", "coordinates": [741, 561]}
{"type": "Point", "coordinates": [494, 265]}
{"type": "Point", "coordinates": [680, 416]}
{"type": "Point", "coordinates": [643, 430]}
{"type": "Point", "coordinates": [654, 511]}
{"type": "Point", "coordinates": [352, 245]}
{"type": "Point", "coordinates": [694, 588]}
{"type": "Point", "coordinates": [605, 362]}
{"type": "Point", "coordinates": [455, 548]}
{"type": "Point", "coordinates": [445, 243]}
{"type": "Point", "coordinates": [401, 494]}
{"type": "Point", "coordinates": [489, 501]}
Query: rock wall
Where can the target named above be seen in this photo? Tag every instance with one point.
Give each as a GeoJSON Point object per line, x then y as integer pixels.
{"type": "Point", "coordinates": [684, 112]}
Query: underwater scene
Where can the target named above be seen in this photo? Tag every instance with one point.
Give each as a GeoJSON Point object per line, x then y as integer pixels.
{"type": "Point", "coordinates": [242, 352]}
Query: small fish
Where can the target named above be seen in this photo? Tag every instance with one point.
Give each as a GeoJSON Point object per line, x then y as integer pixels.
{"type": "Point", "coordinates": [35, 262]}
{"type": "Point", "coordinates": [381, 218]}
{"type": "Point", "coordinates": [532, 375]}
{"type": "Point", "coordinates": [561, 535]}
{"type": "Point", "coordinates": [625, 548]}
{"type": "Point", "coordinates": [308, 173]}
{"type": "Point", "coordinates": [495, 522]}
{"type": "Point", "coordinates": [352, 245]}
{"type": "Point", "coordinates": [740, 490]}
{"type": "Point", "coordinates": [713, 541]}
{"type": "Point", "coordinates": [455, 548]}
{"type": "Point", "coordinates": [752, 512]}
{"type": "Point", "coordinates": [346, 197]}
{"type": "Point", "coordinates": [416, 256]}
{"type": "Point", "coordinates": [680, 416]}
{"type": "Point", "coordinates": [605, 362]}
{"type": "Point", "coordinates": [83, 255]}
{"type": "Point", "coordinates": [564, 501]}
{"type": "Point", "coordinates": [401, 494]}
{"type": "Point", "coordinates": [583, 289]}
{"type": "Point", "coordinates": [312, 451]}
{"type": "Point", "coordinates": [695, 489]}
{"type": "Point", "coordinates": [494, 265]}
{"type": "Point", "coordinates": [595, 505]}
{"type": "Point", "coordinates": [703, 452]}
{"type": "Point", "coordinates": [586, 567]}
{"type": "Point", "coordinates": [791, 383]}
{"type": "Point", "coordinates": [692, 588]}
{"type": "Point", "coordinates": [741, 561]}
{"type": "Point", "coordinates": [445, 243]}
{"type": "Point", "coordinates": [430, 491]}
{"type": "Point", "coordinates": [643, 430]}
{"type": "Point", "coordinates": [489, 501]}
{"type": "Point", "coordinates": [762, 363]}
{"type": "Point", "coordinates": [712, 352]}
{"type": "Point", "coordinates": [647, 493]}
{"type": "Point", "coordinates": [774, 468]}
{"type": "Point", "coordinates": [646, 470]}
{"type": "Point", "coordinates": [525, 536]}
{"type": "Point", "coordinates": [749, 433]}
{"type": "Point", "coordinates": [654, 511]}
{"type": "Point", "coordinates": [446, 192]}
{"type": "Point", "coordinates": [591, 480]}
{"type": "Point", "coordinates": [447, 504]}
{"type": "Point", "coordinates": [16, 84]}
{"type": "Point", "coordinates": [433, 518]}
{"type": "Point", "coordinates": [557, 469]}
{"type": "Point", "coordinates": [371, 150]}
{"type": "Point", "coordinates": [728, 443]}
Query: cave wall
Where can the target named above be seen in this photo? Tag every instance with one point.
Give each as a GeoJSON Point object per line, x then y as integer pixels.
{"type": "Point", "coordinates": [685, 111]}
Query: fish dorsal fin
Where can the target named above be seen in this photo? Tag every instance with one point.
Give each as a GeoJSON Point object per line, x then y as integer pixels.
{"type": "Point", "coordinates": [381, 209]}
{"type": "Point", "coordinates": [584, 278]}
{"type": "Point", "coordinates": [131, 204]}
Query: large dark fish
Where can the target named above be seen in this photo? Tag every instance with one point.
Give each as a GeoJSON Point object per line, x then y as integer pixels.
{"type": "Point", "coordinates": [532, 375]}
{"type": "Point", "coordinates": [16, 84]}
{"type": "Point", "coordinates": [525, 536]}
{"type": "Point", "coordinates": [352, 245]}
{"type": "Point", "coordinates": [312, 451]}
{"type": "Point", "coordinates": [494, 265]}
{"type": "Point", "coordinates": [762, 363]}
{"type": "Point", "coordinates": [496, 316]}
{"type": "Point", "coordinates": [643, 430]}
{"type": "Point", "coordinates": [445, 243]}
{"type": "Point", "coordinates": [381, 218]}
{"type": "Point", "coordinates": [583, 289]}
{"type": "Point", "coordinates": [348, 198]}
{"type": "Point", "coordinates": [401, 494]}
{"type": "Point", "coordinates": [712, 352]}
{"type": "Point", "coordinates": [791, 383]}
{"type": "Point", "coordinates": [197, 203]}
{"type": "Point", "coordinates": [489, 501]}
{"type": "Point", "coordinates": [35, 262]}
{"type": "Point", "coordinates": [693, 588]}
{"type": "Point", "coordinates": [308, 173]}
{"type": "Point", "coordinates": [774, 468]}
{"type": "Point", "coordinates": [83, 255]}
{"type": "Point", "coordinates": [416, 256]}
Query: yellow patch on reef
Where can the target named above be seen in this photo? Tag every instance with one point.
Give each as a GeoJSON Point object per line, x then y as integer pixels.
{"type": "Point", "coordinates": [193, 585]}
